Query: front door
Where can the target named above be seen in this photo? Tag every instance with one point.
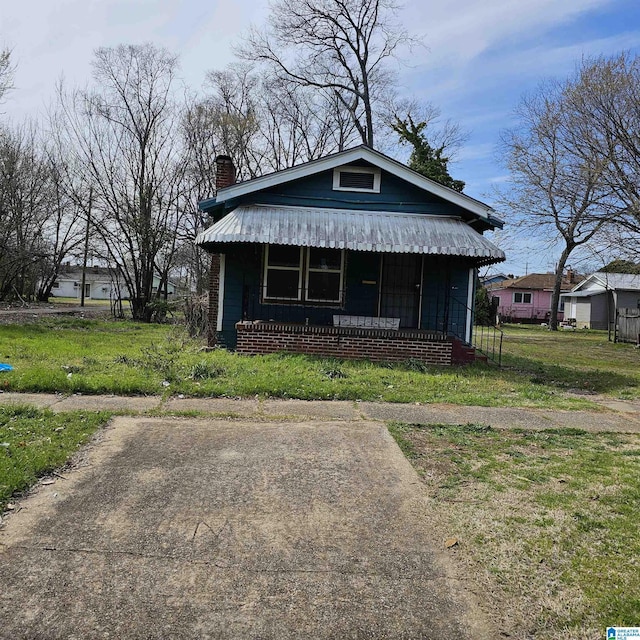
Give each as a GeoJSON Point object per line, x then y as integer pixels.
{"type": "Point", "coordinates": [400, 288]}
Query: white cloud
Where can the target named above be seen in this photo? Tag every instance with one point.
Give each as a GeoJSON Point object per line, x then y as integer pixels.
{"type": "Point", "coordinates": [462, 33]}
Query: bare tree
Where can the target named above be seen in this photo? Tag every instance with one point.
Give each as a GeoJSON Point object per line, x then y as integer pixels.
{"type": "Point", "coordinates": [25, 200]}
{"type": "Point", "coordinates": [126, 132]}
{"type": "Point", "coordinates": [554, 189]}
{"type": "Point", "coordinates": [6, 72]}
{"type": "Point", "coordinates": [63, 227]}
{"type": "Point", "coordinates": [341, 47]}
{"type": "Point", "coordinates": [604, 97]}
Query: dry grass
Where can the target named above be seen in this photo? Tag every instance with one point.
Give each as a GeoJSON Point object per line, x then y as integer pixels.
{"type": "Point", "coordinates": [547, 523]}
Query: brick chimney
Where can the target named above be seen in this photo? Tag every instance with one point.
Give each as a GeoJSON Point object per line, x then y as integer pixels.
{"type": "Point", "coordinates": [225, 172]}
{"type": "Point", "coordinates": [225, 177]}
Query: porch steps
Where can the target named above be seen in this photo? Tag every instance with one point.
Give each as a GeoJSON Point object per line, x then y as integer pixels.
{"type": "Point", "coordinates": [462, 353]}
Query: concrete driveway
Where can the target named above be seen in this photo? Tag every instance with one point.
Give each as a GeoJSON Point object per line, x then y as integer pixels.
{"type": "Point", "coordinates": [185, 528]}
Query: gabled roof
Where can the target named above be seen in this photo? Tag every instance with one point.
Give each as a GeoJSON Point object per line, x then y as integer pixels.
{"type": "Point", "coordinates": [362, 152]}
{"type": "Point", "coordinates": [610, 281]}
{"type": "Point", "coordinates": [355, 230]}
{"type": "Point", "coordinates": [534, 281]}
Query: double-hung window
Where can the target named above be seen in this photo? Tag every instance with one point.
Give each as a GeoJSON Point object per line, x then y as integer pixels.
{"type": "Point", "coordinates": [282, 272]}
{"type": "Point", "coordinates": [310, 274]}
{"type": "Point", "coordinates": [519, 297]}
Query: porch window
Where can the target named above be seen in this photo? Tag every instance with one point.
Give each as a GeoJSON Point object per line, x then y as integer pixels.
{"type": "Point", "coordinates": [309, 274]}
{"type": "Point", "coordinates": [324, 274]}
{"type": "Point", "coordinates": [283, 272]}
{"type": "Point", "coordinates": [520, 297]}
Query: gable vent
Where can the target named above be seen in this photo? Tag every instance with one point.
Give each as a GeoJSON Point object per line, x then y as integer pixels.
{"type": "Point", "coordinates": [356, 179]}
{"type": "Point", "coordinates": [348, 179]}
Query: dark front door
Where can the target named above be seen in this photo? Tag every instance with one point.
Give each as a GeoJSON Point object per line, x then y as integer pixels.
{"type": "Point", "coordinates": [400, 288]}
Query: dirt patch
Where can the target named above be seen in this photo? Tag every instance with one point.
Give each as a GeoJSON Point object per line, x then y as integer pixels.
{"type": "Point", "coordinates": [12, 314]}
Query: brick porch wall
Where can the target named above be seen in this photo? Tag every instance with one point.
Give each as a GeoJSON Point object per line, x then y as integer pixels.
{"type": "Point", "coordinates": [377, 345]}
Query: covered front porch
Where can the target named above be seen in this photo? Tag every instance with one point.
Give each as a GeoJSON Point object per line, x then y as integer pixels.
{"type": "Point", "coordinates": [380, 286]}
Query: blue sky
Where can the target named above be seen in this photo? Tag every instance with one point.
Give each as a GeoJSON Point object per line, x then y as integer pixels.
{"type": "Point", "coordinates": [481, 56]}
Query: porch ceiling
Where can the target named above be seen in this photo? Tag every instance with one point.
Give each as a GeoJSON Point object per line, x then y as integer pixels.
{"type": "Point", "coordinates": [383, 232]}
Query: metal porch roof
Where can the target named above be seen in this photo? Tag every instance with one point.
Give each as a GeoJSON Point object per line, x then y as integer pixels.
{"type": "Point", "coordinates": [383, 232]}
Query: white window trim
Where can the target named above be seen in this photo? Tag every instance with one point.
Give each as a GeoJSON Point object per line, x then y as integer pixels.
{"type": "Point", "coordinates": [304, 269]}
{"type": "Point", "coordinates": [309, 270]}
{"type": "Point", "coordinates": [299, 269]}
{"type": "Point", "coordinates": [223, 271]}
{"type": "Point", "coordinates": [523, 294]}
{"type": "Point", "coordinates": [349, 169]}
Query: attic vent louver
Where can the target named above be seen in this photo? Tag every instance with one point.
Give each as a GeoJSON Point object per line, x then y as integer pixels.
{"type": "Point", "coordinates": [352, 180]}
{"type": "Point", "coordinates": [356, 179]}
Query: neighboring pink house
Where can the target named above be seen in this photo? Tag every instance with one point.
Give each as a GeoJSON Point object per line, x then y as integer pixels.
{"type": "Point", "coordinates": [528, 298]}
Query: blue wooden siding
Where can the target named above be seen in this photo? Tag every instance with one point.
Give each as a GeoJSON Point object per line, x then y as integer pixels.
{"type": "Point", "coordinates": [444, 295]}
{"type": "Point", "coordinates": [317, 190]}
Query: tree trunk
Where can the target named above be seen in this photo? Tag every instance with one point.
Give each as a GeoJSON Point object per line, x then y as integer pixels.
{"type": "Point", "coordinates": [555, 298]}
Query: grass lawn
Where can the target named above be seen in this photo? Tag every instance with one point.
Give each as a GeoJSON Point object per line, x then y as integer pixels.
{"type": "Point", "coordinates": [93, 356]}
{"type": "Point", "coordinates": [579, 360]}
{"type": "Point", "coordinates": [35, 442]}
{"type": "Point", "coordinates": [547, 522]}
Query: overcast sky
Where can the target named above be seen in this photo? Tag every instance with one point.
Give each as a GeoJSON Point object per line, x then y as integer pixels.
{"type": "Point", "coordinates": [480, 57]}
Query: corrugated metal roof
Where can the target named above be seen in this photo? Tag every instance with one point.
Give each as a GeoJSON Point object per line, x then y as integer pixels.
{"type": "Point", "coordinates": [383, 232]}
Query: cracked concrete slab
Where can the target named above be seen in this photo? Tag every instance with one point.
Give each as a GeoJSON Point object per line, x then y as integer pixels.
{"type": "Point", "coordinates": [184, 528]}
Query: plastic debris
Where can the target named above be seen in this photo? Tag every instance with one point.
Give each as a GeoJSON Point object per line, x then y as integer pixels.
{"type": "Point", "coordinates": [5, 367]}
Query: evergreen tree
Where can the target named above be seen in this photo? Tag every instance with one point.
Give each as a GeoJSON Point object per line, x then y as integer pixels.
{"type": "Point", "coordinates": [424, 159]}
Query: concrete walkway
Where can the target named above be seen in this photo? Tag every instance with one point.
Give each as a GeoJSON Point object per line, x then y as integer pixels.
{"type": "Point", "coordinates": [615, 415]}
{"type": "Point", "coordinates": [292, 519]}
{"type": "Point", "coordinates": [203, 528]}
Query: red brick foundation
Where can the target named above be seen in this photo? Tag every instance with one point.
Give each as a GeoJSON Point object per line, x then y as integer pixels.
{"type": "Point", "coordinates": [377, 345]}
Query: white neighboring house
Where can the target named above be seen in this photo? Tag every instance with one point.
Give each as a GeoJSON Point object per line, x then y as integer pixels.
{"type": "Point", "coordinates": [101, 283]}
{"type": "Point", "coordinates": [594, 302]}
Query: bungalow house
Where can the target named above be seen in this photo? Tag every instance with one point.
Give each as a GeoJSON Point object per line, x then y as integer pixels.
{"type": "Point", "coordinates": [351, 255]}
{"type": "Point", "coordinates": [528, 298]}
{"type": "Point", "coordinates": [595, 302]}
{"type": "Point", "coordinates": [100, 283]}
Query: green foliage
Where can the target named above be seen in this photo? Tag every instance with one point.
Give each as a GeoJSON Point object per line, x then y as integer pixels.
{"type": "Point", "coordinates": [485, 309]}
{"type": "Point", "coordinates": [425, 159]}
